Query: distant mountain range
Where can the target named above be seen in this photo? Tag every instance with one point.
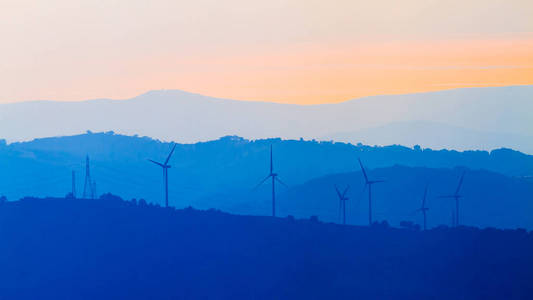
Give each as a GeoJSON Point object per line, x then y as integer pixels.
{"type": "Point", "coordinates": [473, 118]}
{"type": "Point", "coordinates": [434, 135]}
{"type": "Point", "coordinates": [221, 174]}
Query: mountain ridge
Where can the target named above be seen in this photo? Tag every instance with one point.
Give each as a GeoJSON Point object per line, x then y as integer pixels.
{"type": "Point", "coordinates": [185, 92]}
{"type": "Point", "coordinates": [221, 173]}
{"type": "Point", "coordinates": [62, 248]}
{"type": "Point", "coordinates": [186, 117]}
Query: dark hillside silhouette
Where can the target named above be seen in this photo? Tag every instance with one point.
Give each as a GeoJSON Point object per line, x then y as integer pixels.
{"type": "Point", "coordinates": [114, 249]}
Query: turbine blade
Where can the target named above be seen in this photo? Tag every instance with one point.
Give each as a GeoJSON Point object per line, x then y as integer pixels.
{"type": "Point", "coordinates": [460, 184]}
{"type": "Point", "coordinates": [155, 162]}
{"type": "Point", "coordinates": [363, 169]}
{"type": "Point", "coordinates": [172, 151]}
{"type": "Point", "coordinates": [260, 183]}
{"type": "Point", "coordinates": [283, 183]}
{"type": "Point", "coordinates": [338, 192]}
{"type": "Point", "coordinates": [363, 191]}
{"type": "Point", "coordinates": [345, 191]}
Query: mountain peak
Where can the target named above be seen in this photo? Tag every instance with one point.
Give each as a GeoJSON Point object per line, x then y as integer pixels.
{"type": "Point", "coordinates": [171, 94]}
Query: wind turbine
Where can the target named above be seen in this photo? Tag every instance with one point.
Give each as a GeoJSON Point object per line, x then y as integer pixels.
{"type": "Point", "coordinates": [369, 183]}
{"type": "Point", "coordinates": [456, 196]}
{"type": "Point", "coordinates": [342, 202]}
{"type": "Point", "coordinates": [165, 167]}
{"type": "Point", "coordinates": [423, 208]}
{"type": "Point", "coordinates": [275, 178]}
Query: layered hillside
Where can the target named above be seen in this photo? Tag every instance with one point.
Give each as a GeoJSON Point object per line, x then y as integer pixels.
{"type": "Point", "coordinates": [221, 174]}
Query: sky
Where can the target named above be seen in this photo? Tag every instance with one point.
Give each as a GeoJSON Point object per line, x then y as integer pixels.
{"type": "Point", "coordinates": [291, 51]}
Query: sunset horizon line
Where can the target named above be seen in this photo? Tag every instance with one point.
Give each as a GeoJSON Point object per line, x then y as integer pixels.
{"type": "Point", "coordinates": [198, 93]}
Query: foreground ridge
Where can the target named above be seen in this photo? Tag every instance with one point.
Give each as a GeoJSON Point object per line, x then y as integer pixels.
{"type": "Point", "coordinates": [65, 248]}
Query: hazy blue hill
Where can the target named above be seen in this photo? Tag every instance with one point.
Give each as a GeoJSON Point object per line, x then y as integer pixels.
{"type": "Point", "coordinates": [328, 155]}
{"type": "Point", "coordinates": [111, 249]}
{"type": "Point", "coordinates": [221, 173]}
{"type": "Point", "coordinates": [433, 135]}
{"type": "Point", "coordinates": [472, 118]}
{"type": "Point", "coordinates": [490, 199]}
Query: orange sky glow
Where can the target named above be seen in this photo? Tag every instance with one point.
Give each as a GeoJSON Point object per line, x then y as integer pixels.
{"type": "Point", "coordinates": [302, 52]}
{"type": "Point", "coordinates": [318, 74]}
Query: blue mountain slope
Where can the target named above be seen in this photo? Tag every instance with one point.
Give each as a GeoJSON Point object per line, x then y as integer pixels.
{"type": "Point", "coordinates": [218, 173]}
{"type": "Point", "coordinates": [433, 135]}
{"type": "Point", "coordinates": [489, 199]}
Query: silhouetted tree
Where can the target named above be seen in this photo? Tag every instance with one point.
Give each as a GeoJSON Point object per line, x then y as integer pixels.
{"type": "Point", "coordinates": [291, 219]}
{"type": "Point", "coordinates": [314, 219]}
{"type": "Point", "coordinates": [409, 225]}
{"type": "Point", "coordinates": [110, 197]}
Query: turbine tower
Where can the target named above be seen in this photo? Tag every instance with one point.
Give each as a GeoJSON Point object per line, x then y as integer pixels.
{"type": "Point", "coordinates": [165, 167]}
{"type": "Point", "coordinates": [275, 178]}
{"type": "Point", "coordinates": [423, 209]}
{"type": "Point", "coordinates": [73, 184]}
{"type": "Point", "coordinates": [369, 183]}
{"type": "Point", "coordinates": [342, 202]}
{"type": "Point", "coordinates": [456, 196]}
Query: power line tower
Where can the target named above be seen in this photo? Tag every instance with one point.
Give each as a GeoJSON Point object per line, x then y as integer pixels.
{"type": "Point", "coordinates": [73, 184]}
{"type": "Point", "coordinates": [87, 186]}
